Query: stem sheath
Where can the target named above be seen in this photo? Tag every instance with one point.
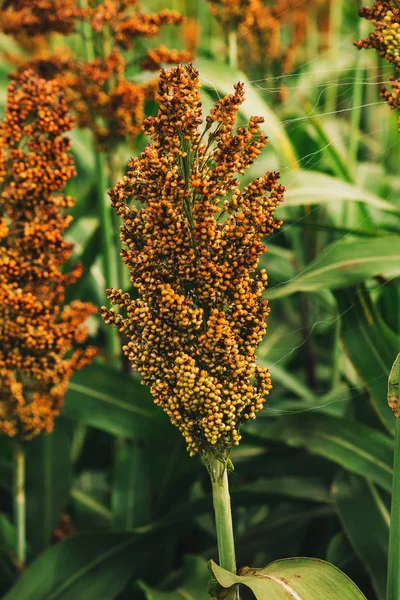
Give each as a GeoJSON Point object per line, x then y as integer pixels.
{"type": "Point", "coordinates": [20, 503]}
{"type": "Point", "coordinates": [223, 517]}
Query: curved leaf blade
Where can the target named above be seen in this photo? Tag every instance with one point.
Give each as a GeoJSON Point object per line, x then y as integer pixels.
{"type": "Point", "coordinates": [89, 566]}
{"type": "Point", "coordinates": [113, 402]}
{"type": "Point", "coordinates": [311, 187]}
{"type": "Point", "coordinates": [343, 264]}
{"type": "Point", "coordinates": [358, 502]}
{"type": "Point", "coordinates": [352, 445]}
{"type": "Point", "coordinates": [370, 345]}
{"type": "Point", "coordinates": [293, 579]}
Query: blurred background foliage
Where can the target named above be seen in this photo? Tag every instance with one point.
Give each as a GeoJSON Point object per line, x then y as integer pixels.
{"type": "Point", "coordinates": [116, 508]}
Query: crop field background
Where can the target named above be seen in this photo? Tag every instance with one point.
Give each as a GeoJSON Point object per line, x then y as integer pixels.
{"type": "Point", "coordinates": [115, 506]}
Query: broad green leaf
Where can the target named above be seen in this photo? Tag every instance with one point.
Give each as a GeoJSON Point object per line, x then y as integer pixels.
{"type": "Point", "coordinates": [356, 447]}
{"type": "Point", "coordinates": [113, 402]}
{"type": "Point", "coordinates": [130, 490]}
{"type": "Point", "coordinates": [48, 481]}
{"type": "Point", "coordinates": [311, 187]}
{"type": "Point", "coordinates": [193, 585]}
{"type": "Point", "coordinates": [358, 503]}
{"type": "Point", "coordinates": [292, 579]}
{"type": "Point", "coordinates": [89, 566]}
{"type": "Point", "coordinates": [221, 77]}
{"type": "Point", "coordinates": [343, 264]}
{"type": "Point", "coordinates": [370, 345]}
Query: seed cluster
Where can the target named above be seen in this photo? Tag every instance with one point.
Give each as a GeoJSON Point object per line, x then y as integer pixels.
{"type": "Point", "coordinates": [268, 35]}
{"type": "Point", "coordinates": [192, 242]}
{"type": "Point", "coordinates": [40, 339]}
{"type": "Point", "coordinates": [385, 16]}
{"type": "Point", "coordinates": [98, 91]}
{"type": "Point", "coordinates": [33, 17]}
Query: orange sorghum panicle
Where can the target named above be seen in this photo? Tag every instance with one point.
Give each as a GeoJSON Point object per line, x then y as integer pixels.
{"type": "Point", "coordinates": [98, 91]}
{"type": "Point", "coordinates": [230, 12]}
{"type": "Point", "coordinates": [192, 241]}
{"type": "Point", "coordinates": [40, 338]}
{"type": "Point", "coordinates": [38, 17]}
{"type": "Point", "coordinates": [385, 16]}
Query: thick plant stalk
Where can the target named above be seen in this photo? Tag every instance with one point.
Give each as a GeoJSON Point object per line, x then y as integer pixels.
{"type": "Point", "coordinates": [20, 503]}
{"type": "Point", "coordinates": [223, 517]}
{"type": "Point", "coordinates": [393, 579]}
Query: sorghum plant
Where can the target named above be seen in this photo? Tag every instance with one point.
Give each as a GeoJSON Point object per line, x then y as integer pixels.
{"type": "Point", "coordinates": [385, 16]}
{"type": "Point", "coordinates": [40, 337]}
{"type": "Point", "coordinates": [192, 241]}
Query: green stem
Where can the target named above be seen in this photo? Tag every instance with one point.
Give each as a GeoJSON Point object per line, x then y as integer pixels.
{"type": "Point", "coordinates": [336, 17]}
{"type": "Point", "coordinates": [232, 49]}
{"type": "Point", "coordinates": [223, 517]}
{"type": "Point", "coordinates": [19, 503]}
{"type": "Point", "coordinates": [393, 580]}
{"type": "Point", "coordinates": [109, 257]}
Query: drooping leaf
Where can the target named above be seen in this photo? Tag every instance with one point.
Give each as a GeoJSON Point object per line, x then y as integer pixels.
{"type": "Point", "coordinates": [113, 402]}
{"type": "Point", "coordinates": [345, 263]}
{"type": "Point", "coordinates": [89, 566]}
{"type": "Point", "coordinates": [358, 503]}
{"type": "Point", "coordinates": [311, 187]}
{"type": "Point", "coordinates": [356, 447]}
{"type": "Point", "coordinates": [370, 345]}
{"type": "Point", "coordinates": [48, 482]}
{"type": "Point", "coordinates": [293, 578]}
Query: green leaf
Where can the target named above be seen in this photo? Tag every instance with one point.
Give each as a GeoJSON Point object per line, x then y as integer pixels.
{"type": "Point", "coordinates": [356, 447]}
{"type": "Point", "coordinates": [221, 78]}
{"type": "Point", "coordinates": [359, 503]}
{"type": "Point", "coordinates": [303, 488]}
{"type": "Point", "coordinates": [193, 585]}
{"type": "Point", "coordinates": [89, 566]}
{"type": "Point", "coordinates": [48, 481]}
{"type": "Point", "coordinates": [113, 402]}
{"type": "Point", "coordinates": [370, 345]}
{"type": "Point", "coordinates": [130, 491]}
{"type": "Point", "coordinates": [311, 187]}
{"type": "Point", "coordinates": [293, 579]}
{"type": "Point", "coordinates": [345, 263]}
